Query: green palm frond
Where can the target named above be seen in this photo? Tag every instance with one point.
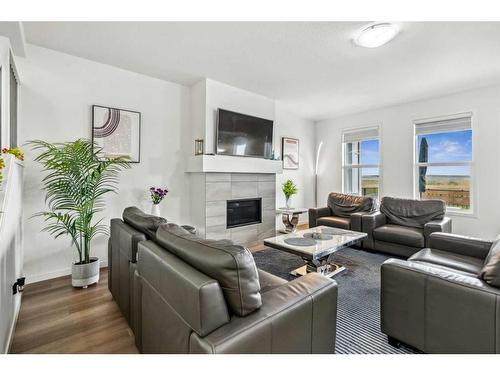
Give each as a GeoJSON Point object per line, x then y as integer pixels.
{"type": "Point", "coordinates": [75, 184]}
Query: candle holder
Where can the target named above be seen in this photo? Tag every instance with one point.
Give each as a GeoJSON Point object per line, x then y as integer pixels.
{"type": "Point", "coordinates": [198, 147]}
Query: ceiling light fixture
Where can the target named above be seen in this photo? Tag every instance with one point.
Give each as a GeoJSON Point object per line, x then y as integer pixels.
{"type": "Point", "coordinates": [376, 35]}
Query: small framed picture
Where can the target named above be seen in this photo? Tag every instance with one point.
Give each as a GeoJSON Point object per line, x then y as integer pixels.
{"type": "Point", "coordinates": [117, 132]}
{"type": "Point", "coordinates": [290, 153]}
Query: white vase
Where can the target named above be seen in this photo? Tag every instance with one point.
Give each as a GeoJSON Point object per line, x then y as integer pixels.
{"type": "Point", "coordinates": [155, 209]}
{"type": "Point", "coordinates": [289, 203]}
{"type": "Point", "coordinates": [83, 275]}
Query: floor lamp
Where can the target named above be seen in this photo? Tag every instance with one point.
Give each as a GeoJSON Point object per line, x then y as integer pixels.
{"type": "Point", "coordinates": [316, 175]}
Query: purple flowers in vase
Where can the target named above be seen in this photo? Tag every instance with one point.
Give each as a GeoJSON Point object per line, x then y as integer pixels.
{"type": "Point", "coordinates": [157, 194]}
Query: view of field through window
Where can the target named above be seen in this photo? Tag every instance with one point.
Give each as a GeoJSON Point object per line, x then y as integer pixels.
{"type": "Point", "coordinates": [437, 179]}
{"type": "Point", "coordinates": [451, 183]}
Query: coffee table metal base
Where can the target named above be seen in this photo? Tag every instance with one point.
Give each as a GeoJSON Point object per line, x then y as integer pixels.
{"type": "Point", "coordinates": [327, 269]}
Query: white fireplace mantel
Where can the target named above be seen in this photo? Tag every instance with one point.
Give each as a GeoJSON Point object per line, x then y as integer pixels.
{"type": "Point", "coordinates": [232, 164]}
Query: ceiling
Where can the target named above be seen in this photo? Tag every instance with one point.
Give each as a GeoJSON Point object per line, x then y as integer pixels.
{"type": "Point", "coordinates": [312, 68]}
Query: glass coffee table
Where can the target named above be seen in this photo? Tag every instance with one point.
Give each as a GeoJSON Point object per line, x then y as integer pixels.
{"type": "Point", "coordinates": [315, 246]}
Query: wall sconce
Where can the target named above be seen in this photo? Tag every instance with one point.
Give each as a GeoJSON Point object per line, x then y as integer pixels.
{"type": "Point", "coordinates": [198, 147]}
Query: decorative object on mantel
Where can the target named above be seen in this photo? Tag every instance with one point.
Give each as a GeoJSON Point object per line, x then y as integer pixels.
{"type": "Point", "coordinates": [198, 147]}
{"type": "Point", "coordinates": [75, 185]}
{"type": "Point", "coordinates": [117, 132]}
{"type": "Point", "coordinates": [289, 189]}
{"type": "Point", "coordinates": [290, 153]}
{"type": "Point", "coordinates": [157, 195]}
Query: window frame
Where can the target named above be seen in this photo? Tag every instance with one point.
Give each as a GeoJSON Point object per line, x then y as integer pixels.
{"type": "Point", "coordinates": [346, 167]}
{"type": "Point", "coordinates": [472, 211]}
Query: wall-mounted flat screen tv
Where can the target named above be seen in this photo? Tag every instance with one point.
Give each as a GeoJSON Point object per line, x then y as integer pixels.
{"type": "Point", "coordinates": [244, 135]}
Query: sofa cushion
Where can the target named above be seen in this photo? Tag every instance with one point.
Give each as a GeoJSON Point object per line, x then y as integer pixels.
{"type": "Point", "coordinates": [412, 212]}
{"type": "Point", "coordinates": [335, 221]}
{"type": "Point", "coordinates": [450, 260]}
{"type": "Point", "coordinates": [231, 265]}
{"type": "Point", "coordinates": [407, 236]}
{"type": "Point", "coordinates": [269, 281]}
{"type": "Point", "coordinates": [344, 205]}
{"type": "Point", "coordinates": [490, 271]}
{"type": "Point", "coordinates": [141, 221]}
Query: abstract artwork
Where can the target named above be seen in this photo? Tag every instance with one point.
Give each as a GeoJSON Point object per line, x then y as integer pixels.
{"type": "Point", "coordinates": [290, 153]}
{"type": "Point", "coordinates": [117, 132]}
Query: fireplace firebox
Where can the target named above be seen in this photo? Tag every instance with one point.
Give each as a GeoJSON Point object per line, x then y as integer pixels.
{"type": "Point", "coordinates": [242, 212]}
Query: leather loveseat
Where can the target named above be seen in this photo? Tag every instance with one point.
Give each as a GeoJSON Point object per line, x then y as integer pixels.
{"type": "Point", "coordinates": [445, 298]}
{"type": "Point", "coordinates": [402, 226]}
{"type": "Point", "coordinates": [342, 211]}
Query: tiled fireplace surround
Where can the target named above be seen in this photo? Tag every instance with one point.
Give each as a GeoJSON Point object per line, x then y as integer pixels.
{"type": "Point", "coordinates": [218, 188]}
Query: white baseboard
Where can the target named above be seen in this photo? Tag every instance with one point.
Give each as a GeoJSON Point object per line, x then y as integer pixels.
{"type": "Point", "coordinates": [30, 279]}
{"type": "Point", "coordinates": [10, 337]}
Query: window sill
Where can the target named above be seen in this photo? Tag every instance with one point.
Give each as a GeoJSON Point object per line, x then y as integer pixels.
{"type": "Point", "coordinates": [470, 214]}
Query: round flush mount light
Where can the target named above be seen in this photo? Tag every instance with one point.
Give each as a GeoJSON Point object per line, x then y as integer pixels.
{"type": "Point", "coordinates": [376, 35]}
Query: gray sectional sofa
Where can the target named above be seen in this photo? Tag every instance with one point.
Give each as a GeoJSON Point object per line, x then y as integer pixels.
{"type": "Point", "coordinates": [189, 295]}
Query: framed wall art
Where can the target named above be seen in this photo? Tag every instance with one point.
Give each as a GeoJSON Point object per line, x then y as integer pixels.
{"type": "Point", "coordinates": [290, 153]}
{"type": "Point", "coordinates": [117, 132]}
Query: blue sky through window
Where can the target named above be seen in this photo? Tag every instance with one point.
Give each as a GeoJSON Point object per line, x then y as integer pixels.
{"type": "Point", "coordinates": [446, 148]}
{"type": "Point", "coordinates": [370, 154]}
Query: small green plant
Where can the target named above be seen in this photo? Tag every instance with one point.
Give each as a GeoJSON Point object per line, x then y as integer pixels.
{"type": "Point", "coordinates": [289, 189]}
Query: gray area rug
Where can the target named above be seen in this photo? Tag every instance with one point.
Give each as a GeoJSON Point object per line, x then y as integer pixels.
{"type": "Point", "coordinates": [358, 320]}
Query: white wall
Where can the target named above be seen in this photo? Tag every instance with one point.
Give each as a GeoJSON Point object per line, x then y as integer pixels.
{"type": "Point", "coordinates": [55, 105]}
{"type": "Point", "coordinates": [290, 125]}
{"type": "Point", "coordinates": [397, 151]}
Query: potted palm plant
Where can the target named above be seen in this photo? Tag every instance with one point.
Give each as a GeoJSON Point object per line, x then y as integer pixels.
{"type": "Point", "coordinates": [75, 185]}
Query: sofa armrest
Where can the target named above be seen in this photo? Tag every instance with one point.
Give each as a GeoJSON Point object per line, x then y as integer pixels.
{"type": "Point", "coordinates": [368, 223]}
{"type": "Point", "coordinates": [443, 225]}
{"type": "Point", "coordinates": [463, 245]}
{"type": "Point", "coordinates": [356, 220]}
{"type": "Point", "coordinates": [437, 310]}
{"type": "Point", "coordinates": [296, 317]}
{"type": "Point", "coordinates": [316, 213]}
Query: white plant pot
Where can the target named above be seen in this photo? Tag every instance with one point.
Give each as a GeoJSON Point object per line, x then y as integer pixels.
{"type": "Point", "coordinates": [83, 275]}
{"type": "Point", "coordinates": [155, 209]}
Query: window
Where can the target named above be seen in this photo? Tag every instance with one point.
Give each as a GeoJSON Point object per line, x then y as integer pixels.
{"type": "Point", "coordinates": [443, 161]}
{"type": "Point", "coordinates": [361, 162]}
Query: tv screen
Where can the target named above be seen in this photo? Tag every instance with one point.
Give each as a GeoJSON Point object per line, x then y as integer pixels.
{"type": "Point", "coordinates": [243, 135]}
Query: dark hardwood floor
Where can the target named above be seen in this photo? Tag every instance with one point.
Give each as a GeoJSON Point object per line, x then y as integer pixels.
{"type": "Point", "coordinates": [57, 318]}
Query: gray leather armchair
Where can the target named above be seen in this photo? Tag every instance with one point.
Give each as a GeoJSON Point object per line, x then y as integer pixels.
{"type": "Point", "coordinates": [445, 298]}
{"type": "Point", "coordinates": [403, 226]}
{"type": "Point", "coordinates": [342, 211]}
{"type": "Point", "coordinates": [205, 296]}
